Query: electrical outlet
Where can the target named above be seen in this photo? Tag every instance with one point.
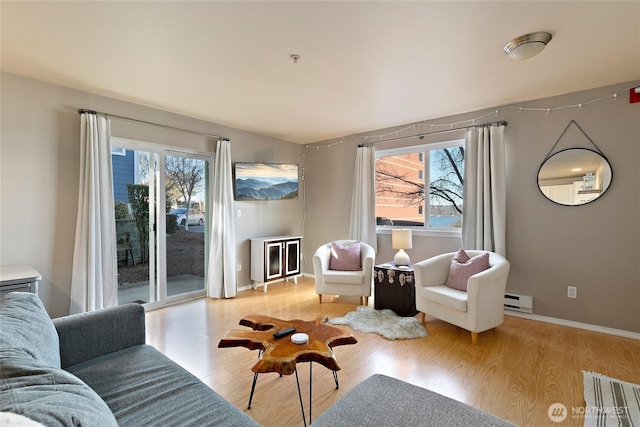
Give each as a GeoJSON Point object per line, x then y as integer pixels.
{"type": "Point", "coordinates": [239, 266]}
{"type": "Point", "coordinates": [572, 292]}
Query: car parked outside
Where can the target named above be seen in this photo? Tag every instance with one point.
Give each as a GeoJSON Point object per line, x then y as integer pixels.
{"type": "Point", "coordinates": [195, 216]}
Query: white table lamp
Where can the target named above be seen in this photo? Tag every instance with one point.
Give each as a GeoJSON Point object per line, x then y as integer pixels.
{"type": "Point", "coordinates": [401, 239]}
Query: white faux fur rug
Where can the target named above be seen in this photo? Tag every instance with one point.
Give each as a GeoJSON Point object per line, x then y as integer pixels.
{"type": "Point", "coordinates": [382, 322]}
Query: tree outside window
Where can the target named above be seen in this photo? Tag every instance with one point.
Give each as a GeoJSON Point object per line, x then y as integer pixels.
{"type": "Point", "coordinates": [184, 178]}
{"type": "Point", "coordinates": [400, 186]}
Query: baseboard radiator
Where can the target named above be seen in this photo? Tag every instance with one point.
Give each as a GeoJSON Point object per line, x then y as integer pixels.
{"type": "Point", "coordinates": [520, 303]}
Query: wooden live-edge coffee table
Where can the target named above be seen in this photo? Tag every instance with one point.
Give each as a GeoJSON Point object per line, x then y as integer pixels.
{"type": "Point", "coordinates": [281, 355]}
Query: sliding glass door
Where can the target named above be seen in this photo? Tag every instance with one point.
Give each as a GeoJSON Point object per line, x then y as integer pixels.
{"type": "Point", "coordinates": [186, 189]}
{"type": "Point", "coordinates": [161, 199]}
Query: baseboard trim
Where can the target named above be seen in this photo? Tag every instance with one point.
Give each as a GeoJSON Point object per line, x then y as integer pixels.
{"type": "Point", "coordinates": [251, 286]}
{"type": "Point", "coordinates": [244, 288]}
{"type": "Point", "coordinates": [572, 324]}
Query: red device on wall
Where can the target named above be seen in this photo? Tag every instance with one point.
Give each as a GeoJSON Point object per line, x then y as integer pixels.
{"type": "Point", "coordinates": [634, 95]}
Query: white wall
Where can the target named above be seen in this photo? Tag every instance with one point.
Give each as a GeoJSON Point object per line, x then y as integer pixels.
{"type": "Point", "coordinates": [595, 247]}
{"type": "Point", "coordinates": [39, 172]}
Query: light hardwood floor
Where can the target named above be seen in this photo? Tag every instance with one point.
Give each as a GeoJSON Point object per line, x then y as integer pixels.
{"type": "Point", "coordinates": [515, 372]}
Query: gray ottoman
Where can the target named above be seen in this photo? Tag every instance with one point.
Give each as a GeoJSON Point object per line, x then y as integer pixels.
{"type": "Point", "coordinates": [386, 401]}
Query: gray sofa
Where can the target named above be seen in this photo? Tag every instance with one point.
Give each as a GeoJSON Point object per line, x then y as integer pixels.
{"type": "Point", "coordinates": [94, 369]}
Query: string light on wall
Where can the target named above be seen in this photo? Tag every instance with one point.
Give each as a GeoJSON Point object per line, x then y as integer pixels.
{"type": "Point", "coordinates": [451, 125]}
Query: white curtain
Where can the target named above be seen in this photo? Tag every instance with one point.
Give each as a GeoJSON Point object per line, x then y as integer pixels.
{"type": "Point", "coordinates": [484, 210]}
{"type": "Point", "coordinates": [221, 277]}
{"type": "Point", "coordinates": [94, 282]}
{"type": "Point", "coordinates": [363, 203]}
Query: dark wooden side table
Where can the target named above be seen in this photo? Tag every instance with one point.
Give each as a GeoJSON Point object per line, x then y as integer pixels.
{"type": "Point", "coordinates": [394, 288]}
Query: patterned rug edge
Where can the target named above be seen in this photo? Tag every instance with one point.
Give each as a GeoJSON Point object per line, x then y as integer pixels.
{"type": "Point", "coordinates": [610, 400]}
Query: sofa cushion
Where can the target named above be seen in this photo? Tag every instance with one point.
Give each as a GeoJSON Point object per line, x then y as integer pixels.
{"type": "Point", "coordinates": [28, 329]}
{"type": "Point", "coordinates": [444, 295]}
{"type": "Point", "coordinates": [48, 395]}
{"type": "Point", "coordinates": [345, 257]}
{"type": "Point", "coordinates": [143, 388]}
{"type": "Point", "coordinates": [463, 267]}
{"type": "Point", "coordinates": [343, 277]}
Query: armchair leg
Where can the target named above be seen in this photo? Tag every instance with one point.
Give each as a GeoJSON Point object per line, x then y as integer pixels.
{"type": "Point", "coordinates": [474, 338]}
{"type": "Point", "coordinates": [365, 300]}
{"type": "Point", "coordinates": [320, 297]}
{"type": "Point", "coordinates": [422, 317]}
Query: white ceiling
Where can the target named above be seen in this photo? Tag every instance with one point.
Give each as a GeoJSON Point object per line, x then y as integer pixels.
{"type": "Point", "coordinates": [364, 65]}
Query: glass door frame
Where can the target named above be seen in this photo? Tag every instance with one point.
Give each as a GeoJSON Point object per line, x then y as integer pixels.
{"type": "Point", "coordinates": [292, 248]}
{"type": "Point", "coordinates": [157, 178]}
{"type": "Point", "coordinates": [273, 259]}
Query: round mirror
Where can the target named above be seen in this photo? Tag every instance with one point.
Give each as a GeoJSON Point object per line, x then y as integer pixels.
{"type": "Point", "coordinates": [574, 176]}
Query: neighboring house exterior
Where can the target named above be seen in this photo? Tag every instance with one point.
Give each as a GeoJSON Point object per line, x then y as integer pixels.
{"type": "Point", "coordinates": [390, 205]}
{"type": "Point", "coordinates": [123, 164]}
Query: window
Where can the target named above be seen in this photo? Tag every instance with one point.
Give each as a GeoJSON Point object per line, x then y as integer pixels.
{"type": "Point", "coordinates": [402, 175]}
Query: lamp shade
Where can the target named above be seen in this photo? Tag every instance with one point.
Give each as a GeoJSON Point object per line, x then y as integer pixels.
{"type": "Point", "coordinates": [401, 239]}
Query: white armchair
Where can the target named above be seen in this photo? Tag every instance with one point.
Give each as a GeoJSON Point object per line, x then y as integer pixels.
{"type": "Point", "coordinates": [479, 309]}
{"type": "Point", "coordinates": [348, 283]}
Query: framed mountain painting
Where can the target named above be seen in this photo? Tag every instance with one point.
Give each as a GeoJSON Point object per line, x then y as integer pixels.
{"type": "Point", "coordinates": [265, 181]}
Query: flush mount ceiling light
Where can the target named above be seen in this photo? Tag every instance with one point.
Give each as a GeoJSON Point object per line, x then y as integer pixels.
{"type": "Point", "coordinates": [527, 46]}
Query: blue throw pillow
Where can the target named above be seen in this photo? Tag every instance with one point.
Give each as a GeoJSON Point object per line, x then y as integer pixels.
{"type": "Point", "coordinates": [28, 329]}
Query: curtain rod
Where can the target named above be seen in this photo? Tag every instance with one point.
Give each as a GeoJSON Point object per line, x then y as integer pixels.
{"type": "Point", "coordinates": [208, 135]}
{"type": "Point", "coordinates": [422, 135]}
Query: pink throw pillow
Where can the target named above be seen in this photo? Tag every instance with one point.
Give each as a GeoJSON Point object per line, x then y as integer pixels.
{"type": "Point", "coordinates": [463, 267]}
{"type": "Point", "coordinates": [345, 257]}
